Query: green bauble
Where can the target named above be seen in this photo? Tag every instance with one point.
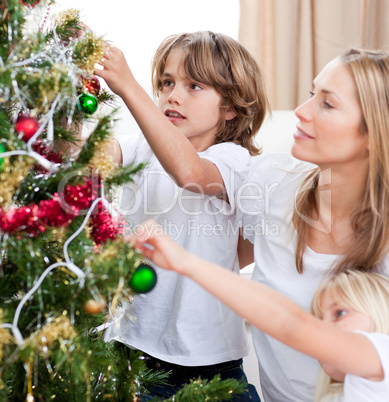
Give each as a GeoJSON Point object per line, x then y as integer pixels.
{"type": "Point", "coordinates": [2, 149]}
{"type": "Point", "coordinates": [144, 279]}
{"type": "Point", "coordinates": [87, 103]}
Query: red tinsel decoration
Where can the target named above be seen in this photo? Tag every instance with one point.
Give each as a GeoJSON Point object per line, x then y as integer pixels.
{"type": "Point", "coordinates": [24, 218]}
{"type": "Point", "coordinates": [35, 218]}
{"type": "Point", "coordinates": [103, 226]}
{"type": "Point", "coordinates": [59, 212]}
{"type": "Point", "coordinates": [80, 196]}
{"type": "Point", "coordinates": [51, 213]}
{"type": "Point", "coordinates": [46, 152]}
{"type": "Point", "coordinates": [30, 3]}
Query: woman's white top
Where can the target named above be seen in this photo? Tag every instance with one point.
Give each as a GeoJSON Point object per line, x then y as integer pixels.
{"type": "Point", "coordinates": [265, 206]}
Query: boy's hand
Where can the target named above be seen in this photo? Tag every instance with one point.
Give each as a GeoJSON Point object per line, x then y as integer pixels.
{"type": "Point", "coordinates": [115, 71]}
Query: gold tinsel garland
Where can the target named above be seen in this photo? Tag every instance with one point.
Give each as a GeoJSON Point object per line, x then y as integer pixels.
{"type": "Point", "coordinates": [90, 60]}
{"type": "Point", "coordinates": [5, 336]}
{"type": "Point", "coordinates": [11, 177]}
{"type": "Point", "coordinates": [57, 330]}
{"type": "Point", "coordinates": [102, 162]}
{"type": "Point", "coordinates": [88, 40]}
{"type": "Point", "coordinates": [62, 19]}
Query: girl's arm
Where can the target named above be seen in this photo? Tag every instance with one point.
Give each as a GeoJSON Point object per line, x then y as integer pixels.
{"type": "Point", "coordinates": [268, 310]}
{"type": "Point", "coordinates": [174, 151]}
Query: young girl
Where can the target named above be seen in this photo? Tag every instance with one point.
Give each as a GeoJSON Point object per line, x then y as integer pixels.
{"type": "Point", "coordinates": [197, 142]}
{"type": "Point", "coordinates": [348, 332]}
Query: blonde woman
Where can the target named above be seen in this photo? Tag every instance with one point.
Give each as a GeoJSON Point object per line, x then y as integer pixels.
{"type": "Point", "coordinates": [348, 332]}
{"type": "Point", "coordinates": [324, 208]}
{"type": "Point", "coordinates": [321, 210]}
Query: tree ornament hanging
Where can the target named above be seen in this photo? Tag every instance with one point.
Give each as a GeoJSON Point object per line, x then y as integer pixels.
{"type": "Point", "coordinates": [143, 279]}
{"type": "Point", "coordinates": [94, 306]}
{"type": "Point", "coordinates": [87, 103]}
{"type": "Point", "coordinates": [30, 3]}
{"type": "Point", "coordinates": [92, 86]}
{"type": "Point", "coordinates": [26, 125]}
{"type": "Point", "coordinates": [2, 150]}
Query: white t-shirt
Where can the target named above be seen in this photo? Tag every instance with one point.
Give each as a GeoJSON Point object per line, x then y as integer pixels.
{"type": "Point", "coordinates": [358, 389]}
{"type": "Point", "coordinates": [265, 206]}
{"type": "Point", "coordinates": [178, 321]}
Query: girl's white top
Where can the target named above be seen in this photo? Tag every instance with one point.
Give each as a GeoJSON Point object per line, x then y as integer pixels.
{"type": "Point", "coordinates": [358, 389]}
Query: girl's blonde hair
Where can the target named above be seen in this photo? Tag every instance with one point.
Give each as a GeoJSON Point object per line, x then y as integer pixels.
{"type": "Point", "coordinates": [365, 292]}
{"type": "Point", "coordinates": [223, 63]}
{"type": "Point", "coordinates": [370, 71]}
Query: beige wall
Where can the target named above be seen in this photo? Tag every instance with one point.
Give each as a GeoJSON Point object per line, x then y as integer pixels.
{"type": "Point", "coordinates": [293, 39]}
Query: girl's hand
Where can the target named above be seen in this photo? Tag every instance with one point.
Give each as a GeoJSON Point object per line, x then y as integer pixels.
{"type": "Point", "coordinates": [159, 247]}
{"type": "Point", "coordinates": [115, 72]}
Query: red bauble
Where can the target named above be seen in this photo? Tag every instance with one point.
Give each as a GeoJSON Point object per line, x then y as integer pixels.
{"type": "Point", "coordinates": [30, 3]}
{"type": "Point", "coordinates": [27, 125]}
{"type": "Point", "coordinates": [92, 86]}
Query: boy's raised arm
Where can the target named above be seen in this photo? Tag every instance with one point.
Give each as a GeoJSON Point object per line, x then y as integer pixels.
{"type": "Point", "coordinates": [174, 151]}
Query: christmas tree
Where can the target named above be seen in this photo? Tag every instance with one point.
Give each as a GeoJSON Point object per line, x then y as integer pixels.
{"type": "Point", "coordinates": [63, 259]}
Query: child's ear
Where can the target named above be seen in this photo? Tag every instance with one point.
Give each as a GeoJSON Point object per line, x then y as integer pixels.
{"type": "Point", "coordinates": [230, 113]}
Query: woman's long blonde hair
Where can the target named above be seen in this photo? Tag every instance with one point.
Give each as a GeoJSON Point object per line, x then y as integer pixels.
{"type": "Point", "coordinates": [365, 292]}
{"type": "Point", "coordinates": [223, 63]}
{"type": "Point", "coordinates": [370, 70]}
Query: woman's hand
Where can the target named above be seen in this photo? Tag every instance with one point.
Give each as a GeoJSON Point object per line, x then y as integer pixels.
{"type": "Point", "coordinates": [159, 247]}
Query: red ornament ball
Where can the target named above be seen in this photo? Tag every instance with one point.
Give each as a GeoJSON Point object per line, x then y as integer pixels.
{"type": "Point", "coordinates": [26, 125]}
{"type": "Point", "coordinates": [91, 86]}
{"type": "Point", "coordinates": [31, 3]}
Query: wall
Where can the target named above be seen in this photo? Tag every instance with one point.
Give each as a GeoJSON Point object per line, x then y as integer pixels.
{"type": "Point", "coordinates": [138, 27]}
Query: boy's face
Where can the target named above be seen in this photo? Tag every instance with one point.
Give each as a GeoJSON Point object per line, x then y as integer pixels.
{"type": "Point", "coordinates": [344, 317]}
{"type": "Point", "coordinates": [193, 107]}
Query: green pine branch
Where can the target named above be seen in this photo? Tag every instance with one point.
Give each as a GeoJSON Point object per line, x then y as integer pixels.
{"type": "Point", "coordinates": [102, 131]}
{"type": "Point", "coordinates": [214, 390]}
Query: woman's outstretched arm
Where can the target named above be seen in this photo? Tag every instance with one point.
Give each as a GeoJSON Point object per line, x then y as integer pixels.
{"type": "Point", "coordinates": [268, 310]}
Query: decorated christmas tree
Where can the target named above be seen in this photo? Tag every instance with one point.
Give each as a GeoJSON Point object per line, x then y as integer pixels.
{"type": "Point", "coordinates": [63, 262]}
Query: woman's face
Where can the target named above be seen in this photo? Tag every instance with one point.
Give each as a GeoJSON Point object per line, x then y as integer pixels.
{"type": "Point", "coordinates": [329, 132]}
